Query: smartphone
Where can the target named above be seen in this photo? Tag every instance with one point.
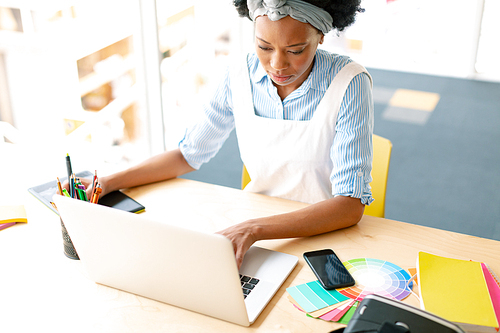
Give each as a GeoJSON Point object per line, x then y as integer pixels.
{"type": "Point", "coordinates": [328, 268]}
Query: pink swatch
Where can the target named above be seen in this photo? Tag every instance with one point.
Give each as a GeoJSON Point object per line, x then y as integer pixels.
{"type": "Point", "coordinates": [338, 312]}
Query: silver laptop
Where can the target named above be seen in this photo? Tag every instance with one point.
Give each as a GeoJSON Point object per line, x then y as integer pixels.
{"type": "Point", "coordinates": [186, 268]}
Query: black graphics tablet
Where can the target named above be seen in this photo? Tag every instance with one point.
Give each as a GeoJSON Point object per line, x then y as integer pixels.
{"type": "Point", "coordinates": [116, 199]}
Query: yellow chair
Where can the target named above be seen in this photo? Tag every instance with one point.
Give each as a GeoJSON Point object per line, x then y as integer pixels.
{"type": "Point", "coordinates": [245, 177]}
{"type": "Point", "coordinates": [382, 149]}
{"type": "Point", "coordinates": [380, 171]}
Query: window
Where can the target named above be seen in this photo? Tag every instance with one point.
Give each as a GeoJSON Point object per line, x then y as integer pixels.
{"type": "Point", "coordinates": [437, 37]}
{"type": "Point", "coordinates": [195, 37]}
{"type": "Point", "coordinates": [487, 53]}
{"type": "Point", "coordinates": [75, 78]}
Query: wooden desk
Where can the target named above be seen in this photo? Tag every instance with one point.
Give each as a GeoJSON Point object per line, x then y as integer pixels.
{"type": "Point", "coordinates": [41, 289]}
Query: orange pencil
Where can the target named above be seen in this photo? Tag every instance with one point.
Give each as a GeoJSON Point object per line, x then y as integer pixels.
{"type": "Point", "coordinates": [59, 186]}
{"type": "Point", "coordinates": [95, 197]}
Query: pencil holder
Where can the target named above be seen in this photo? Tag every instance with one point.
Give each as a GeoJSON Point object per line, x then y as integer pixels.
{"type": "Point", "coordinates": [69, 249]}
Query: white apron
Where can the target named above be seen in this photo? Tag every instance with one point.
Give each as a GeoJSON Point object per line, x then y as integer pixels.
{"type": "Point", "coordinates": [287, 158]}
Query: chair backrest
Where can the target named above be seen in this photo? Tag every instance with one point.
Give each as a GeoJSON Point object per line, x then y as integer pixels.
{"type": "Point", "coordinates": [245, 178]}
{"type": "Point", "coordinates": [382, 149]}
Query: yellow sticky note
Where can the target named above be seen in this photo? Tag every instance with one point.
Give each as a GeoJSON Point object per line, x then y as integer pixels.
{"type": "Point", "coordinates": [15, 213]}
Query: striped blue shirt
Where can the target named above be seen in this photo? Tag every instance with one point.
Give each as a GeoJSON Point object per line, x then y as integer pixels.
{"type": "Point", "coordinates": [351, 150]}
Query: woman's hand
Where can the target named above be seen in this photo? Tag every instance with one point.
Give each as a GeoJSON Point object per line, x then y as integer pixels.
{"type": "Point", "coordinates": [242, 236]}
{"type": "Point", "coordinates": [324, 216]}
{"type": "Point", "coordinates": [87, 182]}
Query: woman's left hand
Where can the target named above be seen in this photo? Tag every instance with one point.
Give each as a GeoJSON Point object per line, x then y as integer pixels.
{"type": "Point", "coordinates": [242, 236]}
{"type": "Point", "coordinates": [325, 216]}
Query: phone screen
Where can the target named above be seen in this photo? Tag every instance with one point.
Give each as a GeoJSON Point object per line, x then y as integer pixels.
{"type": "Point", "coordinates": [329, 270]}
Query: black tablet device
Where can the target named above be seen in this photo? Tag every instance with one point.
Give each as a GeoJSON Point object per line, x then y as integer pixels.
{"type": "Point", "coordinates": [381, 314]}
{"type": "Point", "coordinates": [116, 199]}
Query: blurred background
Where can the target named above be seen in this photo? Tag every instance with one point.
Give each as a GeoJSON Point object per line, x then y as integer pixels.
{"type": "Point", "coordinates": [113, 82]}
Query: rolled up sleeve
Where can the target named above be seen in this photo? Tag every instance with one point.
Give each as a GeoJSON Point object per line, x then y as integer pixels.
{"type": "Point", "coordinates": [202, 141]}
{"type": "Point", "coordinates": [352, 148]}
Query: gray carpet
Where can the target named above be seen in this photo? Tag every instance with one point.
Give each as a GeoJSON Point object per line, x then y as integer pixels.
{"type": "Point", "coordinates": [445, 165]}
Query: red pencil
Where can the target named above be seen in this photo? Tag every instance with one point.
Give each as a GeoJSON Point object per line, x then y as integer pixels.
{"type": "Point", "coordinates": [93, 184]}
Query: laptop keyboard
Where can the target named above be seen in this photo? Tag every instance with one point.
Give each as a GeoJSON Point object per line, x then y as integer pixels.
{"type": "Point", "coordinates": [247, 284]}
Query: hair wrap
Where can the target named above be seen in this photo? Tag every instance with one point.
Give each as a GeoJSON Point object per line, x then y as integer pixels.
{"type": "Point", "coordinates": [300, 10]}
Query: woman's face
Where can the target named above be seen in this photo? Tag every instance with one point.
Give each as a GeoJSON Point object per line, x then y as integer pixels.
{"type": "Point", "coordinates": [286, 50]}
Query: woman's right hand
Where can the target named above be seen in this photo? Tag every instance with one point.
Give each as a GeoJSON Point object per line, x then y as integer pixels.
{"type": "Point", "coordinates": [87, 182]}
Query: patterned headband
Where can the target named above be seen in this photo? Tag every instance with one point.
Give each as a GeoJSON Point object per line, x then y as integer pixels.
{"type": "Point", "coordinates": [300, 10]}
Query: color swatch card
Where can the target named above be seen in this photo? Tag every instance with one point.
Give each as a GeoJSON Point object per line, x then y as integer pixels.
{"type": "Point", "coordinates": [372, 276]}
{"type": "Point", "coordinates": [338, 313]}
{"type": "Point", "coordinates": [312, 296]}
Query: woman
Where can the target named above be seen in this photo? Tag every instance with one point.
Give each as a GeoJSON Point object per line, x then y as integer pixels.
{"type": "Point", "coordinates": [303, 118]}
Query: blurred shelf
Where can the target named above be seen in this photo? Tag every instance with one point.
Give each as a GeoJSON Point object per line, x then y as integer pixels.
{"type": "Point", "coordinates": [116, 66]}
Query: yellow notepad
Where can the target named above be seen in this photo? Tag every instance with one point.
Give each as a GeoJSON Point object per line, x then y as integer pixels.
{"type": "Point", "coordinates": [9, 215]}
{"type": "Point", "coordinates": [455, 290]}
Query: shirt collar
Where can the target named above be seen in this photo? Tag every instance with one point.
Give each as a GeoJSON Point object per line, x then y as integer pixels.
{"type": "Point", "coordinates": [319, 71]}
{"type": "Point", "coordinates": [260, 73]}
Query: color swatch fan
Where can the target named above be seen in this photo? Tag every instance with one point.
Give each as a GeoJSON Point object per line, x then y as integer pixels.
{"type": "Point", "coordinates": [374, 276]}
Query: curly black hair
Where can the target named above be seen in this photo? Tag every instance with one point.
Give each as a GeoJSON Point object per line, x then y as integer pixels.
{"type": "Point", "coordinates": [343, 12]}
